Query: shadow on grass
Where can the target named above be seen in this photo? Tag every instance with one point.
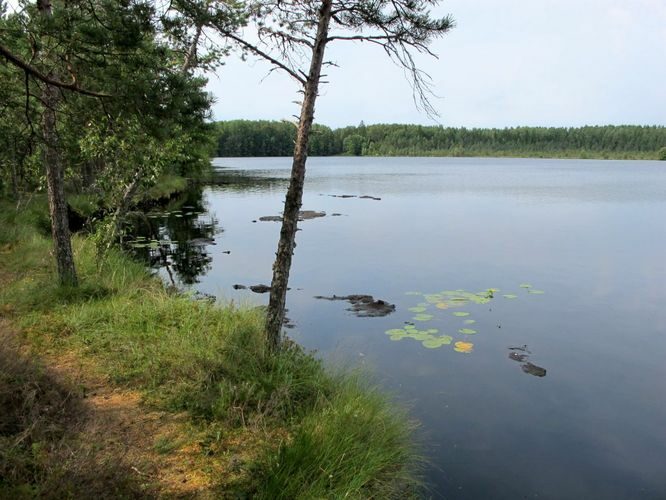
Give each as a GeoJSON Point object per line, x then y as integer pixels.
{"type": "Point", "coordinates": [42, 450]}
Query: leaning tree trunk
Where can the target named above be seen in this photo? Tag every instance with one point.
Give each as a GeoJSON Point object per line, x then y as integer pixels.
{"type": "Point", "coordinates": [55, 179]}
{"type": "Point", "coordinates": [293, 200]}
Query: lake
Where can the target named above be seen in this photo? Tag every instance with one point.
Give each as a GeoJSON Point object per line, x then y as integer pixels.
{"type": "Point", "coordinates": [553, 389]}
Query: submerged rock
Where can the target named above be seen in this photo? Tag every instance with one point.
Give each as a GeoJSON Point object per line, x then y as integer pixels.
{"type": "Point", "coordinates": [518, 357]}
{"type": "Point", "coordinates": [364, 306]}
{"type": "Point", "coordinates": [535, 370]}
{"type": "Point", "coordinates": [302, 215]}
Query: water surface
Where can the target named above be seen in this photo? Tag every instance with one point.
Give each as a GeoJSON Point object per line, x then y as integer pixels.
{"type": "Point", "coordinates": [589, 234]}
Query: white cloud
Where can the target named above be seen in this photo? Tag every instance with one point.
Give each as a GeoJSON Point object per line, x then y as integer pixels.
{"type": "Point", "coordinates": [546, 62]}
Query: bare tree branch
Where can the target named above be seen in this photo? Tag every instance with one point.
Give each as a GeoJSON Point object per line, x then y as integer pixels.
{"type": "Point", "coordinates": [34, 72]}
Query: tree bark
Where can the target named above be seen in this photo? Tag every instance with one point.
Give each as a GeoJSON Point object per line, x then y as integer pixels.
{"type": "Point", "coordinates": [55, 179]}
{"type": "Point", "coordinates": [294, 197]}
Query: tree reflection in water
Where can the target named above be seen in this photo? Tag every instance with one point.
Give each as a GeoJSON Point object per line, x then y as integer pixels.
{"type": "Point", "coordinates": [175, 238]}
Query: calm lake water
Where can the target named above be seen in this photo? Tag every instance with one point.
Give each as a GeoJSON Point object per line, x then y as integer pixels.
{"type": "Point", "coordinates": [588, 234]}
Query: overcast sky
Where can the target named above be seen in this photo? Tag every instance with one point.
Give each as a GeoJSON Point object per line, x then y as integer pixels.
{"type": "Point", "coordinates": [506, 63]}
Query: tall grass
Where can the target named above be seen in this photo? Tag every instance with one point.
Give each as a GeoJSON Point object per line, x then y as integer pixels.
{"type": "Point", "coordinates": [340, 439]}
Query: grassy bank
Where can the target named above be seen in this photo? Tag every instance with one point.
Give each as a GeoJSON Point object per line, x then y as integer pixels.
{"type": "Point", "coordinates": [271, 426]}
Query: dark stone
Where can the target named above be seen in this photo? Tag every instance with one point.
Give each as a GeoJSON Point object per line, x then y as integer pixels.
{"type": "Point", "coordinates": [535, 370]}
{"type": "Point", "coordinates": [364, 306]}
{"type": "Point", "coordinates": [517, 357]}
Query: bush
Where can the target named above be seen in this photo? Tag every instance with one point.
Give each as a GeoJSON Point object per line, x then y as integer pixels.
{"type": "Point", "coordinates": [661, 154]}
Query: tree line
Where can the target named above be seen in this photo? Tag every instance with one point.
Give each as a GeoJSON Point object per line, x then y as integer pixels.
{"type": "Point", "coordinates": [274, 138]}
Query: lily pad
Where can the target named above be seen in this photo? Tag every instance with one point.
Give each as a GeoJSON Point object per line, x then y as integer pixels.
{"type": "Point", "coordinates": [461, 314]}
{"type": "Point", "coordinates": [536, 292]}
{"type": "Point", "coordinates": [410, 327]}
{"type": "Point", "coordinates": [395, 331]}
{"type": "Point", "coordinates": [467, 331]}
{"type": "Point", "coordinates": [525, 285]}
{"type": "Point", "coordinates": [469, 321]}
{"type": "Point", "coordinates": [510, 296]}
{"type": "Point", "coordinates": [464, 347]}
{"type": "Point", "coordinates": [435, 342]}
{"type": "Point", "coordinates": [397, 337]}
{"type": "Point", "coordinates": [431, 343]}
{"type": "Point", "coordinates": [417, 309]}
{"type": "Point", "coordinates": [442, 305]}
{"type": "Point", "coordinates": [423, 317]}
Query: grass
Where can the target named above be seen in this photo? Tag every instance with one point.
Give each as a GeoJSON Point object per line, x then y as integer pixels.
{"type": "Point", "coordinates": [321, 434]}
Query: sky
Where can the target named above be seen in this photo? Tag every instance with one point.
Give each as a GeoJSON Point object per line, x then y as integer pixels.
{"type": "Point", "coordinates": [506, 63]}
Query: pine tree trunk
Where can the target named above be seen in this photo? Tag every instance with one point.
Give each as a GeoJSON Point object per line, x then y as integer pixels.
{"type": "Point", "coordinates": [55, 179]}
{"type": "Point", "coordinates": [293, 200]}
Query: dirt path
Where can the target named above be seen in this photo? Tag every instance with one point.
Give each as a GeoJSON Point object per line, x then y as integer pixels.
{"type": "Point", "coordinates": [99, 440]}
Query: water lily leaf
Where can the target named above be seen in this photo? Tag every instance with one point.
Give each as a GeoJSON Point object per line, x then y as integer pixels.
{"type": "Point", "coordinates": [467, 331]}
{"type": "Point", "coordinates": [465, 347]}
{"type": "Point", "coordinates": [442, 305]}
{"type": "Point", "coordinates": [525, 285]}
{"type": "Point", "coordinates": [417, 309]}
{"type": "Point", "coordinates": [397, 337]}
{"type": "Point", "coordinates": [461, 314]}
{"type": "Point", "coordinates": [432, 343]}
{"type": "Point", "coordinates": [410, 327]}
{"type": "Point", "coordinates": [510, 296]}
{"type": "Point", "coordinates": [433, 298]}
{"type": "Point", "coordinates": [432, 331]}
{"type": "Point", "coordinates": [469, 321]}
{"type": "Point", "coordinates": [423, 317]}
{"type": "Point", "coordinates": [445, 339]}
{"type": "Point", "coordinates": [395, 331]}
{"type": "Point", "coordinates": [536, 292]}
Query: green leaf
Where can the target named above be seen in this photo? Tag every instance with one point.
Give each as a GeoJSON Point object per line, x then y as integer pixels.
{"type": "Point", "coordinates": [432, 343]}
{"type": "Point", "coordinates": [510, 296]}
{"type": "Point", "coordinates": [467, 331]}
{"type": "Point", "coordinates": [525, 285]}
{"type": "Point", "coordinates": [469, 321]}
{"type": "Point", "coordinates": [423, 317]}
{"type": "Point", "coordinates": [417, 309]}
{"type": "Point", "coordinates": [461, 314]}
{"type": "Point", "coordinates": [537, 292]}
{"type": "Point", "coordinates": [395, 331]}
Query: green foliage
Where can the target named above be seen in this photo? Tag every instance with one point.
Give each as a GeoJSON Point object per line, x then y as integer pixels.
{"type": "Point", "coordinates": [211, 361]}
{"type": "Point", "coordinates": [258, 138]}
{"type": "Point", "coordinates": [270, 138]}
{"type": "Point", "coordinates": [353, 445]}
{"type": "Point", "coordinates": [661, 154]}
{"type": "Point", "coordinates": [353, 145]}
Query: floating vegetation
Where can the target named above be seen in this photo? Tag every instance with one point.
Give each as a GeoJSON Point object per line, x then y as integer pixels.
{"type": "Point", "coordinates": [423, 317]}
{"type": "Point", "coordinates": [445, 300]}
{"type": "Point", "coordinates": [464, 347]}
{"type": "Point", "coordinates": [417, 309]}
{"type": "Point", "coordinates": [467, 331]}
{"type": "Point", "coordinates": [426, 337]}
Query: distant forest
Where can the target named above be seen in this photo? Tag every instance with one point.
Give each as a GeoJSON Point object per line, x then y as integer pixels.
{"type": "Point", "coordinates": [276, 138]}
